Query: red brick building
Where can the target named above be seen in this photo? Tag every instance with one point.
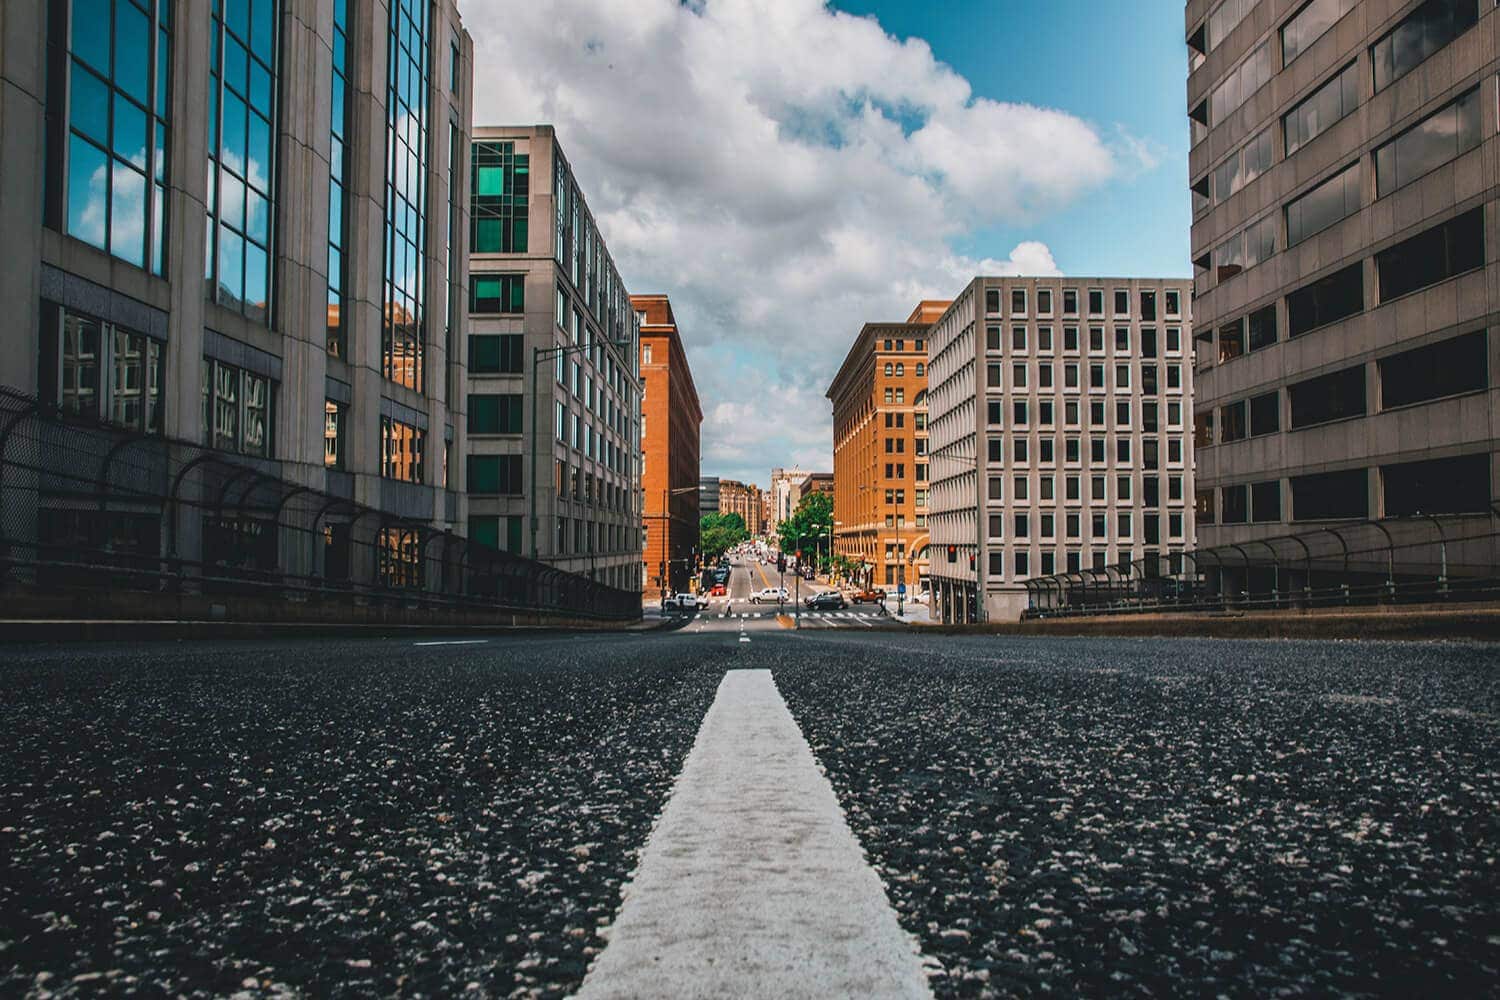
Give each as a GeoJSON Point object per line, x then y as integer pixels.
{"type": "Point", "coordinates": [670, 420]}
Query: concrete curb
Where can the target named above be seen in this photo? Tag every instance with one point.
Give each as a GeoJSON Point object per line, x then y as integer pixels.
{"type": "Point", "coordinates": [149, 631]}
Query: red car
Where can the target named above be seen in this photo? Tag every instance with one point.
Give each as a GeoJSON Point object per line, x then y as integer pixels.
{"type": "Point", "coordinates": [718, 591]}
{"type": "Point", "coordinates": [868, 596]}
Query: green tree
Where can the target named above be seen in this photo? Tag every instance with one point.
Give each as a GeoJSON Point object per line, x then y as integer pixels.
{"type": "Point", "coordinates": [808, 526]}
{"type": "Point", "coordinates": [718, 533]}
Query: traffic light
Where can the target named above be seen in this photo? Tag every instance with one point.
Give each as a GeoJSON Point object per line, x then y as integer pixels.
{"type": "Point", "coordinates": [971, 560]}
{"type": "Point", "coordinates": [781, 562]}
{"type": "Point", "coordinates": [953, 553]}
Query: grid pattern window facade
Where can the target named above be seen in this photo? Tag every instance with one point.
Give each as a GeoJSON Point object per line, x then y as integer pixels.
{"type": "Point", "coordinates": [401, 450]}
{"type": "Point", "coordinates": [119, 76]}
{"type": "Point", "coordinates": [242, 155]}
{"type": "Point", "coordinates": [501, 185]}
{"type": "Point", "coordinates": [338, 161]}
{"type": "Point", "coordinates": [402, 344]}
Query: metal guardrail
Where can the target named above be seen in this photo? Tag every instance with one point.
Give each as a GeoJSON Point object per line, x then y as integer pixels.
{"type": "Point", "coordinates": [1419, 559]}
{"type": "Point", "coordinates": [88, 508]}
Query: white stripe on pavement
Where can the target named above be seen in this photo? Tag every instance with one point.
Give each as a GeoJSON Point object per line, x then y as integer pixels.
{"type": "Point", "coordinates": [452, 642]}
{"type": "Point", "coordinates": [720, 905]}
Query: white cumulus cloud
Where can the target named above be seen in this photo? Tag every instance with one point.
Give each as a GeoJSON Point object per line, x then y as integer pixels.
{"type": "Point", "coordinates": [784, 172]}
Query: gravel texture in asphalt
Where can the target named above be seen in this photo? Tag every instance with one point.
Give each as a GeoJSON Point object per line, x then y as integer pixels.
{"type": "Point", "coordinates": [330, 819]}
{"type": "Point", "coordinates": [1182, 817]}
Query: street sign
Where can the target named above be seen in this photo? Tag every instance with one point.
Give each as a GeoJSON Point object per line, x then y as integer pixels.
{"type": "Point", "coordinates": [901, 589]}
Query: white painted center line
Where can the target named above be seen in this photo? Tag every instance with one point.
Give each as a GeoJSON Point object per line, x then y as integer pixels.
{"type": "Point", "coordinates": [452, 642]}
{"type": "Point", "coordinates": [751, 884]}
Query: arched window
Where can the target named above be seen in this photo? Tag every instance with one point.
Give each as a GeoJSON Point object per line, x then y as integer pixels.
{"type": "Point", "coordinates": [900, 368]}
{"type": "Point", "coordinates": [921, 369]}
{"type": "Point", "coordinates": [887, 367]}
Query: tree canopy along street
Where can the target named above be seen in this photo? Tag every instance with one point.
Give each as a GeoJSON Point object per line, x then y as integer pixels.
{"type": "Point", "coordinates": [731, 812]}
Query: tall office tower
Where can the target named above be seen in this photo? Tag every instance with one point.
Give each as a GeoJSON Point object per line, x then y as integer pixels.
{"type": "Point", "coordinates": [232, 224]}
{"type": "Point", "coordinates": [1058, 436]}
{"type": "Point", "coordinates": [671, 441]}
{"type": "Point", "coordinates": [554, 455]}
{"type": "Point", "coordinates": [880, 463]}
{"type": "Point", "coordinates": [1344, 185]}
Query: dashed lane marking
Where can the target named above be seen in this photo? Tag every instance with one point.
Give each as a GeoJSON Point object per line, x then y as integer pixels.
{"type": "Point", "coordinates": [720, 907]}
{"type": "Point", "coordinates": [452, 642]}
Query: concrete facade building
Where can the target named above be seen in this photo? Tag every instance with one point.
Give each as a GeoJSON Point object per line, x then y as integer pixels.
{"type": "Point", "coordinates": [671, 420]}
{"type": "Point", "coordinates": [880, 462]}
{"type": "Point", "coordinates": [1345, 172]}
{"type": "Point", "coordinates": [1058, 435]}
{"type": "Point", "coordinates": [554, 459]}
{"type": "Point", "coordinates": [783, 493]}
{"type": "Point", "coordinates": [237, 230]}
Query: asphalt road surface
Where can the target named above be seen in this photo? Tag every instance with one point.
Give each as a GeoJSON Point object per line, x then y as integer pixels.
{"type": "Point", "coordinates": [1044, 816]}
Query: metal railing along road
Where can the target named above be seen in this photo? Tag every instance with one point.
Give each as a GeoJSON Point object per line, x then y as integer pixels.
{"type": "Point", "coordinates": [89, 509]}
{"type": "Point", "coordinates": [1424, 558]}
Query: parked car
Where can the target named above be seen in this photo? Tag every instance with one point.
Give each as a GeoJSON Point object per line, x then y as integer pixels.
{"type": "Point", "coordinates": [686, 602]}
{"type": "Point", "coordinates": [719, 590]}
{"type": "Point", "coordinates": [829, 600]}
{"type": "Point", "coordinates": [769, 595]}
{"type": "Point", "coordinates": [876, 596]}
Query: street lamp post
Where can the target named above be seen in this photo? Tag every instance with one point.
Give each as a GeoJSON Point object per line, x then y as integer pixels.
{"type": "Point", "coordinates": [666, 539]}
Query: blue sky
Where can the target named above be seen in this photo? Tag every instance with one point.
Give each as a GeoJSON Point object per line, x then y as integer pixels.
{"type": "Point", "coordinates": [787, 171]}
{"type": "Point", "coordinates": [1110, 62]}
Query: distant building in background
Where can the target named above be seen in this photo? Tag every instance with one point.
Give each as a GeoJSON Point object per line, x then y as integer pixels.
{"type": "Point", "coordinates": [743, 499]}
{"type": "Point", "coordinates": [880, 466]}
{"type": "Point", "coordinates": [1057, 417]}
{"type": "Point", "coordinates": [1344, 189]}
{"type": "Point", "coordinates": [542, 279]}
{"type": "Point", "coordinates": [813, 482]}
{"type": "Point", "coordinates": [784, 483]}
{"type": "Point", "coordinates": [708, 496]}
{"type": "Point", "coordinates": [670, 438]}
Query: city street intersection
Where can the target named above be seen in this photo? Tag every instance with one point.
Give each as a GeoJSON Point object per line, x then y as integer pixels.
{"type": "Point", "coordinates": [1003, 816]}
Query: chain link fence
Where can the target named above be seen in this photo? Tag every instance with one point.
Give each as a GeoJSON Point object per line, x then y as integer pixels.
{"type": "Point", "coordinates": [90, 514]}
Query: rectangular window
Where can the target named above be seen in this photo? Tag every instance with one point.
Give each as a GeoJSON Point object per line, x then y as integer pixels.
{"type": "Point", "coordinates": [1018, 301]}
{"type": "Point", "coordinates": [1335, 199]}
{"type": "Point", "coordinates": [1044, 301]}
{"type": "Point", "coordinates": [1442, 252]}
{"type": "Point", "coordinates": [1321, 109]}
{"type": "Point", "coordinates": [1448, 368]}
{"type": "Point", "coordinates": [338, 195]}
{"type": "Point", "coordinates": [1096, 302]}
{"type": "Point", "coordinates": [242, 152]}
{"type": "Point", "coordinates": [1444, 135]}
{"type": "Point", "coordinates": [1265, 502]}
{"type": "Point", "coordinates": [1262, 328]}
{"type": "Point", "coordinates": [1243, 166]}
{"type": "Point", "coordinates": [1234, 504]}
{"type": "Point", "coordinates": [1241, 83]}
{"type": "Point", "coordinates": [1327, 300]}
{"type": "Point", "coordinates": [1326, 398]}
{"type": "Point", "coordinates": [496, 474]}
{"type": "Point", "coordinates": [1203, 506]}
{"type": "Point", "coordinates": [496, 354]}
{"type": "Point", "coordinates": [497, 293]}
{"type": "Point", "coordinates": [1070, 302]}
{"type": "Point", "coordinates": [1018, 338]}
{"type": "Point", "coordinates": [1232, 421]}
{"type": "Point", "coordinates": [500, 188]}
{"type": "Point", "coordinates": [1122, 302]}
{"type": "Point", "coordinates": [494, 413]}
{"type": "Point", "coordinates": [105, 372]}
{"type": "Point", "coordinates": [239, 408]}
{"type": "Point", "coordinates": [1458, 485]}
{"type": "Point", "coordinates": [404, 282]}
{"type": "Point", "coordinates": [401, 451]}
{"type": "Point", "coordinates": [1265, 414]}
{"type": "Point", "coordinates": [1309, 24]}
{"type": "Point", "coordinates": [1427, 29]}
{"type": "Point", "coordinates": [1331, 496]}
{"type": "Point", "coordinates": [335, 450]}
{"type": "Point", "coordinates": [992, 301]}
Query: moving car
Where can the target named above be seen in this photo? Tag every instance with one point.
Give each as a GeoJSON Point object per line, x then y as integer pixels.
{"type": "Point", "coordinates": [829, 600]}
{"type": "Point", "coordinates": [769, 595]}
{"type": "Point", "coordinates": [685, 602]}
{"type": "Point", "coordinates": [876, 596]}
{"type": "Point", "coordinates": [718, 591]}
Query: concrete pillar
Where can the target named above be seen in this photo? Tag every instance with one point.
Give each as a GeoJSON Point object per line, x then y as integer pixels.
{"type": "Point", "coordinates": [23, 78]}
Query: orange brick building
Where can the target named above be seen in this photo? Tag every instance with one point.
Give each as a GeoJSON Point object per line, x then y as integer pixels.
{"type": "Point", "coordinates": [743, 499]}
{"type": "Point", "coordinates": [880, 465]}
{"type": "Point", "coordinates": [671, 417]}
